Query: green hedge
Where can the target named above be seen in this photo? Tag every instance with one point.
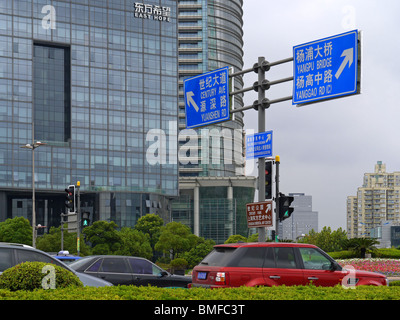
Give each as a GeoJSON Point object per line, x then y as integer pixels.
{"type": "Point", "coordinates": [390, 253]}
{"type": "Point", "coordinates": [243, 293]}
{"type": "Point", "coordinates": [37, 275]}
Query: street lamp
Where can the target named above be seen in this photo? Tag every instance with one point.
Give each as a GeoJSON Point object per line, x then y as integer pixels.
{"type": "Point", "coordinates": [32, 147]}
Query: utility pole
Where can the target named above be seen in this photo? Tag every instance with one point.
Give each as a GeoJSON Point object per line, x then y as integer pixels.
{"type": "Point", "coordinates": [260, 105]}
{"type": "Point", "coordinates": [277, 162]}
{"type": "Point", "coordinates": [261, 128]}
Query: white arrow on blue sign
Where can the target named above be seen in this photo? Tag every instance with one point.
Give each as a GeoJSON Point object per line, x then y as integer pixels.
{"type": "Point", "coordinates": [207, 98]}
{"type": "Point", "coordinates": [259, 145]}
{"type": "Point", "coordinates": [326, 68]}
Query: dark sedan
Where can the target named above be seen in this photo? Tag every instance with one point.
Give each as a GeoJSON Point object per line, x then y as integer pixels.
{"type": "Point", "coordinates": [126, 270]}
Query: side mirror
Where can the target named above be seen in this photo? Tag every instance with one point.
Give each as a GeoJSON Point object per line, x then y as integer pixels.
{"type": "Point", "coordinates": [162, 274]}
{"type": "Point", "coordinates": [334, 266]}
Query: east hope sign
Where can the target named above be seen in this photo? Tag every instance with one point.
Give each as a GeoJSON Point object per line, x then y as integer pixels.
{"type": "Point", "coordinates": [326, 68]}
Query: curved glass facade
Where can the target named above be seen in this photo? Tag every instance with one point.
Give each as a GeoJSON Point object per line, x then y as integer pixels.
{"type": "Point", "coordinates": [211, 37]}
{"type": "Point", "coordinates": [90, 78]}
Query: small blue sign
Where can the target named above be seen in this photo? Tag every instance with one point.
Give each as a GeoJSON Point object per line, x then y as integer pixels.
{"type": "Point", "coordinates": [259, 145]}
{"type": "Point", "coordinates": [326, 68]}
{"type": "Point", "coordinates": [207, 98]}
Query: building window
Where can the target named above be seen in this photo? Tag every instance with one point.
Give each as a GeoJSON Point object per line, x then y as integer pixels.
{"type": "Point", "coordinates": [52, 93]}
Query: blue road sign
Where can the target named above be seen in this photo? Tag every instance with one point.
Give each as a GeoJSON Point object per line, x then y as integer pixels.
{"type": "Point", "coordinates": [259, 145]}
{"type": "Point", "coordinates": [326, 68]}
{"type": "Point", "coordinates": [207, 98]}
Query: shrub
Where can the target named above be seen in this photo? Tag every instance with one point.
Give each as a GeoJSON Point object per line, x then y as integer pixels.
{"type": "Point", "coordinates": [37, 275]}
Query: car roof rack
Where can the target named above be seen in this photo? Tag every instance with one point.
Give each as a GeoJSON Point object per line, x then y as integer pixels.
{"type": "Point", "coordinates": [16, 244]}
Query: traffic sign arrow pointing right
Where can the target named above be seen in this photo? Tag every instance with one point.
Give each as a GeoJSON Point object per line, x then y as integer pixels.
{"type": "Point", "coordinates": [189, 100]}
{"type": "Point", "coordinates": [348, 54]}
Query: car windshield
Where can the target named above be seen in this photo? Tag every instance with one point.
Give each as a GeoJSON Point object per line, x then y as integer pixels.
{"type": "Point", "coordinates": [219, 257]}
{"type": "Point", "coordinates": [78, 263]}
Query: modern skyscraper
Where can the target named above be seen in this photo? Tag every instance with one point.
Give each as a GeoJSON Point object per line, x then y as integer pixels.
{"type": "Point", "coordinates": [91, 79]}
{"type": "Point", "coordinates": [213, 188]}
{"type": "Point", "coordinates": [377, 201]}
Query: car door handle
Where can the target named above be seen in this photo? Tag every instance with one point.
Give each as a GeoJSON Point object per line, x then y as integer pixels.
{"type": "Point", "coordinates": [312, 278]}
{"type": "Point", "coordinates": [274, 277]}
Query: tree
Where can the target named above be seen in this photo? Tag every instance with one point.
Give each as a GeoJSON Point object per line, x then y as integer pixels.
{"type": "Point", "coordinates": [198, 251]}
{"type": "Point", "coordinates": [236, 238]}
{"type": "Point", "coordinates": [103, 236]}
{"type": "Point", "coordinates": [326, 239]}
{"type": "Point", "coordinates": [51, 242]}
{"type": "Point", "coordinates": [134, 243]}
{"type": "Point", "coordinates": [175, 238]}
{"type": "Point", "coordinates": [150, 225]}
{"type": "Point", "coordinates": [361, 245]}
{"type": "Point", "coordinates": [17, 230]}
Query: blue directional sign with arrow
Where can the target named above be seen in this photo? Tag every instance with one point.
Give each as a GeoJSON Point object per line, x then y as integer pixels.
{"type": "Point", "coordinates": [326, 68]}
{"type": "Point", "coordinates": [207, 98]}
{"type": "Point", "coordinates": [259, 145]}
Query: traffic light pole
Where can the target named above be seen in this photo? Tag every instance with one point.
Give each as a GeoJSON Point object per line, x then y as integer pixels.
{"type": "Point", "coordinates": [78, 211]}
{"type": "Point", "coordinates": [261, 86]}
{"type": "Point", "coordinates": [261, 128]}
{"type": "Point", "coordinates": [277, 162]}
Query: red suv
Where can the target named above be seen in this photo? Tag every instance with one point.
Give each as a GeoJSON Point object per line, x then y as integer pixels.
{"type": "Point", "coordinates": [272, 263]}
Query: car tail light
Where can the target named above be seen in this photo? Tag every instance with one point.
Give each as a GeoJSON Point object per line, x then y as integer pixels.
{"type": "Point", "coordinates": [220, 278]}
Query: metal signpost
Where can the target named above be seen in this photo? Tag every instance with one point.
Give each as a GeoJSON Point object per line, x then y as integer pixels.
{"type": "Point", "coordinates": [323, 69]}
{"type": "Point", "coordinates": [207, 98]}
{"type": "Point", "coordinates": [259, 145]}
{"type": "Point", "coordinates": [326, 68]}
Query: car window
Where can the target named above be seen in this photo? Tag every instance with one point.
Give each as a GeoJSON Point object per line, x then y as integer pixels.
{"type": "Point", "coordinates": [28, 255]}
{"type": "Point", "coordinates": [219, 257]}
{"type": "Point", "coordinates": [269, 261]}
{"type": "Point", "coordinates": [284, 258]}
{"type": "Point", "coordinates": [95, 266]}
{"type": "Point", "coordinates": [251, 258]}
{"type": "Point", "coordinates": [6, 260]}
{"type": "Point", "coordinates": [313, 259]}
{"type": "Point", "coordinates": [116, 265]}
{"type": "Point", "coordinates": [142, 266]}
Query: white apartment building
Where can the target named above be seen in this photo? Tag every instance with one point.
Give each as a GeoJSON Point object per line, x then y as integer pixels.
{"type": "Point", "coordinates": [377, 200]}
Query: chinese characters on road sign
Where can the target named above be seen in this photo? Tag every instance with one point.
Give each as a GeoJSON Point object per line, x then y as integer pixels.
{"type": "Point", "coordinates": [326, 68]}
{"type": "Point", "coordinates": [259, 145]}
{"type": "Point", "coordinates": [207, 98]}
{"type": "Point", "coordinates": [259, 214]}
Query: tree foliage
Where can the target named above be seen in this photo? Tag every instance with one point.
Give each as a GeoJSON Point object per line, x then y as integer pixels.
{"type": "Point", "coordinates": [150, 225]}
{"type": "Point", "coordinates": [134, 243]}
{"type": "Point", "coordinates": [103, 237]}
{"type": "Point", "coordinates": [16, 230]}
{"type": "Point", "coordinates": [175, 238]}
{"type": "Point", "coordinates": [326, 239]}
{"type": "Point", "coordinates": [51, 242]}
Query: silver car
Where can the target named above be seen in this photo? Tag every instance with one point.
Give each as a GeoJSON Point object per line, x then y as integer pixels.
{"type": "Point", "coordinates": [12, 254]}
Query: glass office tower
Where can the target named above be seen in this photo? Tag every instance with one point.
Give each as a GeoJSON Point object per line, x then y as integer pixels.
{"type": "Point", "coordinates": [90, 78]}
{"type": "Point", "coordinates": [213, 187]}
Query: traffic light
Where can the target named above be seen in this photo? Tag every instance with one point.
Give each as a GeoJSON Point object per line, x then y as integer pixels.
{"type": "Point", "coordinates": [268, 180]}
{"type": "Point", "coordinates": [85, 219]}
{"type": "Point", "coordinates": [285, 210]}
{"type": "Point", "coordinates": [70, 198]}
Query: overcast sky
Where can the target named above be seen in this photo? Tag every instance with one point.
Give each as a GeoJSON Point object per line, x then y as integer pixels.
{"type": "Point", "coordinates": [326, 147]}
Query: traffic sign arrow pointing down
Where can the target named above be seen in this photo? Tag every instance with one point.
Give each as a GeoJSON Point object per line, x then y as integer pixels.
{"type": "Point", "coordinates": [190, 101]}
{"type": "Point", "coordinates": [348, 54]}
